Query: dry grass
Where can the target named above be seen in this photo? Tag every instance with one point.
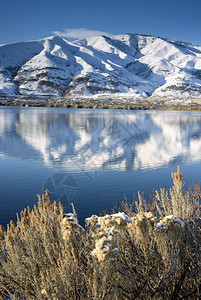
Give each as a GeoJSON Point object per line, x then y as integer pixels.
{"type": "Point", "coordinates": [141, 253]}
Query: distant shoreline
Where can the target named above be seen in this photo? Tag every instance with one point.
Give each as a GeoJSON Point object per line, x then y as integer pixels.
{"type": "Point", "coordinates": [107, 103]}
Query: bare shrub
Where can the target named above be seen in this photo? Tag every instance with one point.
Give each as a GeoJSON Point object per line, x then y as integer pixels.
{"type": "Point", "coordinates": [141, 253]}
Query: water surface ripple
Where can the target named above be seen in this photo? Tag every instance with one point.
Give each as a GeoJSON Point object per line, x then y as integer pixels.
{"type": "Point", "coordinates": [92, 158]}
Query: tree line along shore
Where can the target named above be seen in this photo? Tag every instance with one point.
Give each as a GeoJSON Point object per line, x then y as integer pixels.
{"type": "Point", "coordinates": [128, 104]}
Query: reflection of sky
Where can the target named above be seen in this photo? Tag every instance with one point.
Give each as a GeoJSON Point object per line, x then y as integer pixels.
{"type": "Point", "coordinates": [109, 154]}
{"type": "Point", "coordinates": [94, 140]}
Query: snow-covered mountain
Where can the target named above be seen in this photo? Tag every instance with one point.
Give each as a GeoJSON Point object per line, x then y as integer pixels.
{"type": "Point", "coordinates": [131, 64]}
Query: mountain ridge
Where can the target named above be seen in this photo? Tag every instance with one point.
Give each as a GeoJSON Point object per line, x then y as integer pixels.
{"type": "Point", "coordinates": [128, 64]}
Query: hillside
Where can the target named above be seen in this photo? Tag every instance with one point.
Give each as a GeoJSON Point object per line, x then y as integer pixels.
{"type": "Point", "coordinates": [131, 64]}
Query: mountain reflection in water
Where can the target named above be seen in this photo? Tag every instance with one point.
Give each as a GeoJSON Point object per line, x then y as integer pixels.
{"type": "Point", "coordinates": [93, 140]}
{"type": "Point", "coordinates": [106, 153]}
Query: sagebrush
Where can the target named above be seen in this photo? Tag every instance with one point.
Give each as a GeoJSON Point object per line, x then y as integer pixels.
{"type": "Point", "coordinates": [142, 252]}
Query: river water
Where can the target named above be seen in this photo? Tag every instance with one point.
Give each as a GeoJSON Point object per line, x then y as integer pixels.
{"type": "Point", "coordinates": [92, 158]}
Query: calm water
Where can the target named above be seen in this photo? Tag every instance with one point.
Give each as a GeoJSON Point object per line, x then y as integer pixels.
{"type": "Point", "coordinates": [92, 158]}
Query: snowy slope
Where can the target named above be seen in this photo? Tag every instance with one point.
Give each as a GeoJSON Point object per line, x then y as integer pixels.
{"type": "Point", "coordinates": [130, 64]}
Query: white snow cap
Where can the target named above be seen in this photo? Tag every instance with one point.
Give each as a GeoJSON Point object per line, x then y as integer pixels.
{"type": "Point", "coordinates": [131, 64]}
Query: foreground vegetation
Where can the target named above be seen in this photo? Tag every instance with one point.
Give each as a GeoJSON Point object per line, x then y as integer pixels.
{"type": "Point", "coordinates": [143, 252]}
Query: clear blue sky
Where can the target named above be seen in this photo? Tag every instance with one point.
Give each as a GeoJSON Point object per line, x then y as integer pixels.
{"type": "Point", "coordinates": [23, 20]}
